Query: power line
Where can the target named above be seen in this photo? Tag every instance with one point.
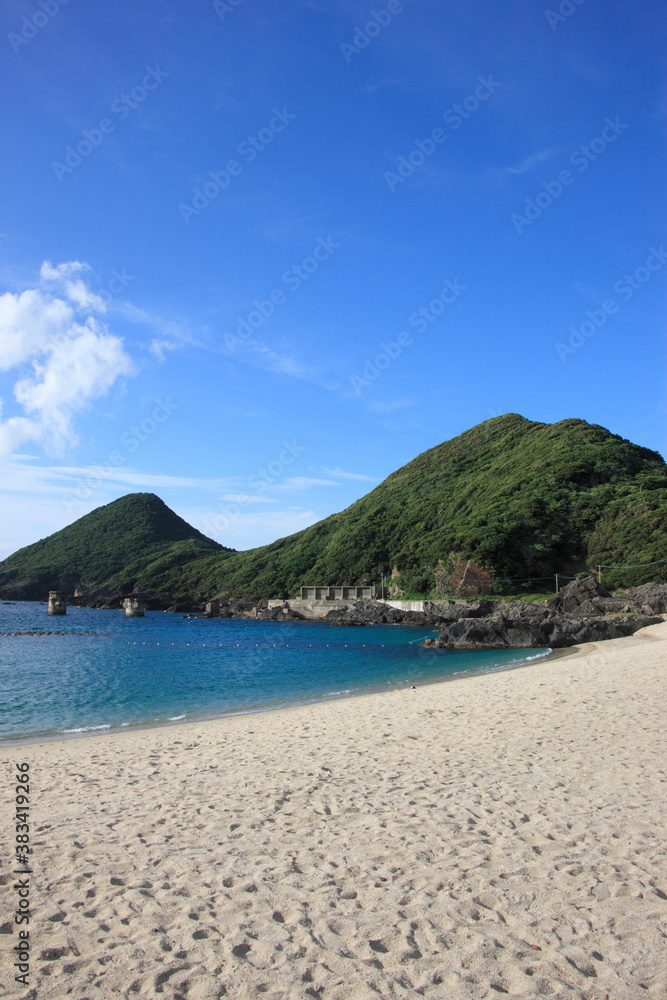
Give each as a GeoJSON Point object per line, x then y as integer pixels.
{"type": "Point", "coordinates": [539, 579]}
{"type": "Point", "coordinates": [636, 566]}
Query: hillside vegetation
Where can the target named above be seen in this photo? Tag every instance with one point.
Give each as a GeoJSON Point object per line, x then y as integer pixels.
{"type": "Point", "coordinates": [521, 498]}
{"type": "Point", "coordinates": [115, 547]}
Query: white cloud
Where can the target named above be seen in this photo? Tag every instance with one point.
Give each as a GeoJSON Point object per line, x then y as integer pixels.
{"type": "Point", "coordinates": [76, 290]}
{"type": "Point", "coordinates": [28, 322]}
{"type": "Point", "coordinates": [72, 357]}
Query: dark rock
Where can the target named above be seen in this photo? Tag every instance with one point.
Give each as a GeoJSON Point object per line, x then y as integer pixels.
{"type": "Point", "coordinates": [576, 594]}
{"type": "Point", "coordinates": [280, 614]}
{"type": "Point", "coordinates": [588, 598]}
{"type": "Point", "coordinates": [237, 607]}
{"type": "Point", "coordinates": [114, 601]}
{"type": "Point", "coordinates": [181, 607]}
{"type": "Point", "coordinates": [532, 626]}
{"type": "Point", "coordinates": [650, 599]}
{"type": "Point", "coordinates": [366, 613]}
{"type": "Point", "coordinates": [433, 615]}
{"type": "Point", "coordinates": [480, 609]}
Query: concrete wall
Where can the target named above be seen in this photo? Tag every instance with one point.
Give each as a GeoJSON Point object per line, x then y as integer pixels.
{"type": "Point", "coordinates": [320, 609]}
{"type": "Point", "coordinates": [418, 605]}
{"type": "Point", "coordinates": [407, 605]}
{"type": "Point", "coordinates": [313, 609]}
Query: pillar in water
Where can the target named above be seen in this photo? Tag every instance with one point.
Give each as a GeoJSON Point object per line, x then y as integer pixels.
{"type": "Point", "coordinates": [133, 608]}
{"type": "Point", "coordinates": [57, 604]}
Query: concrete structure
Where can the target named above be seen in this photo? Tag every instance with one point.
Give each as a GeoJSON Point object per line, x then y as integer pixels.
{"type": "Point", "coordinates": [316, 610]}
{"type": "Point", "coordinates": [312, 609]}
{"type": "Point", "coordinates": [319, 594]}
{"type": "Point", "coordinates": [213, 608]}
{"type": "Point", "coordinates": [134, 608]}
{"type": "Point", "coordinates": [412, 605]}
{"type": "Point", "coordinates": [57, 604]}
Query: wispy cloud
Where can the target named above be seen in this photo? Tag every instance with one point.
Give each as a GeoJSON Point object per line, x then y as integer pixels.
{"type": "Point", "coordinates": [21, 476]}
{"type": "Point", "coordinates": [341, 474]}
{"type": "Point", "coordinates": [259, 354]}
{"type": "Point", "coordinates": [283, 363]}
{"type": "Point", "coordinates": [389, 406]}
{"type": "Point", "coordinates": [169, 335]}
{"type": "Point", "coordinates": [247, 498]}
{"type": "Point", "coordinates": [303, 483]}
{"type": "Point", "coordinates": [532, 162]}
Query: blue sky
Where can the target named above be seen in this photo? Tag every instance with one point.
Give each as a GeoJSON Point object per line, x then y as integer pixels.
{"type": "Point", "coordinates": [256, 256]}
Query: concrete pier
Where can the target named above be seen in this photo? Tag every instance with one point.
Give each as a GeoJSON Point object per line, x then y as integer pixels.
{"type": "Point", "coordinates": [57, 604]}
{"type": "Point", "coordinates": [133, 608]}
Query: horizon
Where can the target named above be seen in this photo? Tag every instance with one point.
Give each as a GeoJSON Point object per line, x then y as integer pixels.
{"type": "Point", "coordinates": [317, 245]}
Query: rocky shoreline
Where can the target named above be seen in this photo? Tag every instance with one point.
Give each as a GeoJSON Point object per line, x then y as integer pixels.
{"type": "Point", "coordinates": [583, 612]}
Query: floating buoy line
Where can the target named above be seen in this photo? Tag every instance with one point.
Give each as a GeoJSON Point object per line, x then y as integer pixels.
{"type": "Point", "coordinates": [135, 642]}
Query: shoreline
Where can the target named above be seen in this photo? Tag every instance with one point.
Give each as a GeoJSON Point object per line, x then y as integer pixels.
{"type": "Point", "coordinates": [133, 728]}
{"type": "Point", "coordinates": [458, 840]}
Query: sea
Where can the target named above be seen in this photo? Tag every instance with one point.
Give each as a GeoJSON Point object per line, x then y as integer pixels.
{"type": "Point", "coordinates": [108, 672]}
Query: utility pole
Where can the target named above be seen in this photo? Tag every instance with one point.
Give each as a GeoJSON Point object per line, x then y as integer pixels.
{"type": "Point", "coordinates": [600, 574]}
{"type": "Point", "coordinates": [557, 588]}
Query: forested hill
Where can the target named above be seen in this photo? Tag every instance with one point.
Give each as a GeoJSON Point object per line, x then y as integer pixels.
{"type": "Point", "coordinates": [523, 499]}
{"type": "Point", "coordinates": [134, 537]}
{"type": "Point", "coordinates": [520, 498]}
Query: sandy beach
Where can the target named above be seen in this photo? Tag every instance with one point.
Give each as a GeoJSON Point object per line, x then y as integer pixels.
{"type": "Point", "coordinates": [498, 834]}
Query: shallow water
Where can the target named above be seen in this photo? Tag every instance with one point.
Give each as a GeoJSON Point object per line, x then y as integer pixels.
{"type": "Point", "coordinates": [165, 667]}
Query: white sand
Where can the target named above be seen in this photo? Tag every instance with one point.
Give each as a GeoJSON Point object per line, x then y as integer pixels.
{"type": "Point", "coordinates": [496, 834]}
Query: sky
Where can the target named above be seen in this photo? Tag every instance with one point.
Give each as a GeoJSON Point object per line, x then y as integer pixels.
{"type": "Point", "coordinates": [255, 256]}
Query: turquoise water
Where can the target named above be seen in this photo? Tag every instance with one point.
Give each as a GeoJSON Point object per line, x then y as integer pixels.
{"type": "Point", "coordinates": [165, 667]}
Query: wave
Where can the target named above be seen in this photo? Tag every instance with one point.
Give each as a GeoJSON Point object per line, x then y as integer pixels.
{"type": "Point", "coordinates": [86, 729]}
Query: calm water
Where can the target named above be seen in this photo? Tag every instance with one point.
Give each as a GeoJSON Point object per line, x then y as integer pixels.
{"type": "Point", "coordinates": [165, 667]}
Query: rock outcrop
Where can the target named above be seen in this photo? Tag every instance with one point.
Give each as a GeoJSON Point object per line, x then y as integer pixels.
{"type": "Point", "coordinates": [533, 627]}
{"type": "Point", "coordinates": [583, 612]}
{"type": "Point", "coordinates": [651, 599]}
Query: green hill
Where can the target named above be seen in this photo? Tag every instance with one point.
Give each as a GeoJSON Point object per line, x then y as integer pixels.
{"type": "Point", "coordinates": [520, 498]}
{"type": "Point", "coordinates": [122, 546]}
